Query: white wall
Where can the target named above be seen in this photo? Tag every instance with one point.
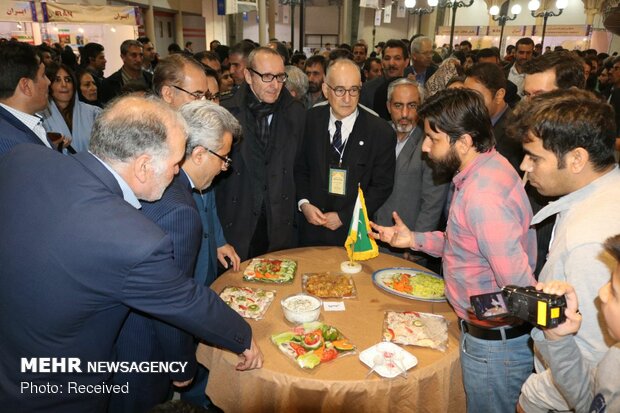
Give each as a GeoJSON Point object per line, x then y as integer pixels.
{"type": "Point", "coordinates": [194, 31]}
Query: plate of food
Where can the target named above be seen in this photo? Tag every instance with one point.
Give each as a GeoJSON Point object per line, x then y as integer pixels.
{"type": "Point", "coordinates": [248, 302]}
{"type": "Point", "coordinates": [270, 270]}
{"type": "Point", "coordinates": [416, 329]}
{"type": "Point", "coordinates": [312, 344]}
{"type": "Point", "coordinates": [411, 283]}
{"type": "Point", "coordinates": [388, 360]}
{"type": "Point", "coordinates": [328, 285]}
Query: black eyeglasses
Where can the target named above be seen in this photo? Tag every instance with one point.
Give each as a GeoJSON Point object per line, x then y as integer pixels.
{"type": "Point", "coordinates": [227, 161]}
{"type": "Point", "coordinates": [339, 91]}
{"type": "Point", "coordinates": [200, 95]}
{"type": "Point", "coordinates": [268, 77]}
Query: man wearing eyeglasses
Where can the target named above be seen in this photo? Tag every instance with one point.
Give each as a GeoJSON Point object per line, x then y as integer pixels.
{"type": "Point", "coordinates": [344, 146]}
{"type": "Point", "coordinates": [256, 196]}
{"type": "Point", "coordinates": [186, 212]}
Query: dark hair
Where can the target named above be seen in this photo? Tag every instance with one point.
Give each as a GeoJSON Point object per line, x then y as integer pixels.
{"type": "Point", "coordinates": [487, 52]}
{"type": "Point", "coordinates": [367, 62]}
{"type": "Point", "coordinates": [565, 120]}
{"type": "Point", "coordinates": [396, 43]}
{"type": "Point", "coordinates": [79, 74]}
{"type": "Point", "coordinates": [612, 246]}
{"type": "Point", "coordinates": [68, 58]}
{"type": "Point", "coordinates": [509, 48]}
{"type": "Point", "coordinates": [282, 51]}
{"type": "Point", "coordinates": [525, 41]}
{"type": "Point", "coordinates": [458, 112]}
{"type": "Point", "coordinates": [222, 51]}
{"type": "Point", "coordinates": [297, 57]}
{"type": "Point", "coordinates": [244, 48]}
{"type": "Point", "coordinates": [188, 44]}
{"type": "Point", "coordinates": [466, 43]}
{"type": "Point", "coordinates": [459, 55]}
{"type": "Point", "coordinates": [207, 54]}
{"type": "Point", "coordinates": [490, 75]}
{"type": "Point", "coordinates": [455, 79]}
{"type": "Point", "coordinates": [340, 53]}
{"type": "Point", "coordinates": [17, 60]}
{"type": "Point", "coordinates": [359, 44]}
{"type": "Point", "coordinates": [568, 68]}
{"type": "Point", "coordinates": [210, 72]}
{"type": "Point", "coordinates": [317, 59]}
{"type": "Point", "coordinates": [89, 51]}
{"type": "Point", "coordinates": [345, 46]}
{"type": "Point", "coordinates": [133, 87]}
{"type": "Point", "coordinates": [130, 43]}
{"type": "Point", "coordinates": [174, 48]}
{"type": "Point", "coordinates": [51, 71]}
{"type": "Point", "coordinates": [144, 39]}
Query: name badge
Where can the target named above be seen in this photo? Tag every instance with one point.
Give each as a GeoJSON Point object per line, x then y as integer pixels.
{"type": "Point", "coordinates": [337, 181]}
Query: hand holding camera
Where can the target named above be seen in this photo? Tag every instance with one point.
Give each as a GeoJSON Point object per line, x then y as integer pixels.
{"type": "Point", "coordinates": [571, 312]}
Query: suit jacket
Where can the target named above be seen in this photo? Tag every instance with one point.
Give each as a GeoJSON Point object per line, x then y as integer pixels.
{"type": "Point", "coordinates": [111, 86]}
{"type": "Point", "coordinates": [144, 338]}
{"type": "Point", "coordinates": [236, 188]}
{"type": "Point", "coordinates": [369, 158]}
{"type": "Point", "coordinates": [213, 238]}
{"type": "Point", "coordinates": [430, 71]}
{"type": "Point", "coordinates": [418, 196]}
{"type": "Point", "coordinates": [72, 270]}
{"type": "Point", "coordinates": [509, 148]}
{"type": "Point", "coordinates": [13, 132]}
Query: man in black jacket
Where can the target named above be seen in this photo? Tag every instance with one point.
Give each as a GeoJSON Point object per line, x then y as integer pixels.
{"type": "Point", "coordinates": [130, 72]}
{"type": "Point", "coordinates": [256, 196]}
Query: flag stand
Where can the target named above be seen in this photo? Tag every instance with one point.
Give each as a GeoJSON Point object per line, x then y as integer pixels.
{"type": "Point", "coordinates": [350, 267]}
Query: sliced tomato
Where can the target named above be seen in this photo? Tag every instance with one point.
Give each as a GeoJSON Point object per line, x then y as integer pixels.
{"type": "Point", "coordinates": [298, 349]}
{"type": "Point", "coordinates": [329, 354]}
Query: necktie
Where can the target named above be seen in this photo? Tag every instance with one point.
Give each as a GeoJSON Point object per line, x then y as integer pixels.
{"type": "Point", "coordinates": [337, 140]}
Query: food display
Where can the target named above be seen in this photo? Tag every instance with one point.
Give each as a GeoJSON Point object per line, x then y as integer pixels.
{"type": "Point", "coordinates": [301, 308]}
{"type": "Point", "coordinates": [416, 329]}
{"type": "Point", "coordinates": [312, 344]}
{"type": "Point", "coordinates": [411, 283]}
{"type": "Point", "coordinates": [270, 270]}
{"type": "Point", "coordinates": [328, 285]}
{"type": "Point", "coordinates": [248, 302]}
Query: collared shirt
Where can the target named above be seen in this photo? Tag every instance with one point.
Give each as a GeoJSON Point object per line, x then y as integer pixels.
{"type": "Point", "coordinates": [585, 219]}
{"type": "Point", "coordinates": [516, 78]}
{"type": "Point", "coordinates": [488, 242]}
{"type": "Point", "coordinates": [189, 178]}
{"type": "Point", "coordinates": [128, 194]}
{"type": "Point", "coordinates": [497, 117]}
{"type": "Point", "coordinates": [32, 122]}
{"type": "Point", "coordinates": [127, 77]}
{"type": "Point", "coordinates": [345, 129]}
{"type": "Point", "coordinates": [400, 144]}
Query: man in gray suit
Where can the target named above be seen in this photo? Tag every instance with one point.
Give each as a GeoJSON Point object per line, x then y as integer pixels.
{"type": "Point", "coordinates": [418, 196]}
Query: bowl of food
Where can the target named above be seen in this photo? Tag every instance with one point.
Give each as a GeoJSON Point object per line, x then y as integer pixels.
{"type": "Point", "coordinates": [301, 308]}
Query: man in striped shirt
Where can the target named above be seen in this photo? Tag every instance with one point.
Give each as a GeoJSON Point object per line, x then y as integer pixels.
{"type": "Point", "coordinates": [487, 244]}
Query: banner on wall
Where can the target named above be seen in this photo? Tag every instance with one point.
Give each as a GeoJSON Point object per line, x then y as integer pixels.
{"type": "Point", "coordinates": [459, 30]}
{"type": "Point", "coordinates": [18, 11]}
{"type": "Point", "coordinates": [387, 13]}
{"type": "Point", "coordinates": [378, 17]}
{"type": "Point", "coordinates": [401, 10]}
{"type": "Point", "coordinates": [562, 30]}
{"type": "Point", "coordinates": [73, 13]}
{"type": "Point", "coordinates": [236, 6]}
{"type": "Point", "coordinates": [508, 30]}
{"type": "Point", "coordinates": [371, 4]}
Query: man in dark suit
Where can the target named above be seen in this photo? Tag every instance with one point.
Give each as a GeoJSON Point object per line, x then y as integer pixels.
{"type": "Point", "coordinates": [256, 198]}
{"type": "Point", "coordinates": [394, 59]}
{"type": "Point", "coordinates": [488, 80]}
{"type": "Point", "coordinates": [67, 283]}
{"type": "Point", "coordinates": [344, 146]}
{"type": "Point", "coordinates": [23, 93]}
{"type": "Point", "coordinates": [422, 67]}
{"type": "Point", "coordinates": [418, 195]}
{"type": "Point", "coordinates": [131, 72]}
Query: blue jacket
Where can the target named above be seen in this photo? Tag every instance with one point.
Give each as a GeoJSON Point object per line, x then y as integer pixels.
{"type": "Point", "coordinates": [13, 132]}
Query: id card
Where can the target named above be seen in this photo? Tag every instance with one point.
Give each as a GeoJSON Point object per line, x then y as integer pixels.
{"type": "Point", "coordinates": [337, 181]}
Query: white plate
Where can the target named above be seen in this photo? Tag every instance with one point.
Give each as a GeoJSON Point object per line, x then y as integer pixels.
{"type": "Point", "coordinates": [401, 360]}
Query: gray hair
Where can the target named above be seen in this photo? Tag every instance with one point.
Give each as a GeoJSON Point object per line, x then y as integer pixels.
{"type": "Point", "coordinates": [207, 123]}
{"type": "Point", "coordinates": [342, 61]}
{"type": "Point", "coordinates": [131, 126]}
{"type": "Point", "coordinates": [261, 50]}
{"type": "Point", "coordinates": [130, 43]}
{"type": "Point", "coordinates": [404, 81]}
{"type": "Point", "coordinates": [416, 44]}
{"type": "Point", "coordinates": [297, 81]}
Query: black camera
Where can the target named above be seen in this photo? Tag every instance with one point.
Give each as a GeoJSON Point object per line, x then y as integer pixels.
{"type": "Point", "coordinates": [526, 303]}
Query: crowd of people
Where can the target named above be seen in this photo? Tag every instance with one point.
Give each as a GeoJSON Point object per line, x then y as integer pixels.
{"type": "Point", "coordinates": [134, 191]}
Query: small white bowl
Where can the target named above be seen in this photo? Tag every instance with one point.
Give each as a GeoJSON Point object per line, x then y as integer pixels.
{"type": "Point", "coordinates": [301, 308]}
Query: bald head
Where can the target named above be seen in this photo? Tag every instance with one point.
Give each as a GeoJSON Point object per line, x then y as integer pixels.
{"type": "Point", "coordinates": [342, 87]}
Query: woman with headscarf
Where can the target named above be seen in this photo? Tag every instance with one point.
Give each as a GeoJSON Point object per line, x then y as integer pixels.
{"type": "Point", "coordinates": [65, 113]}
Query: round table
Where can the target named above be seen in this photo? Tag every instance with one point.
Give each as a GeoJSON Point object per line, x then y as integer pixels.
{"type": "Point", "coordinates": [434, 385]}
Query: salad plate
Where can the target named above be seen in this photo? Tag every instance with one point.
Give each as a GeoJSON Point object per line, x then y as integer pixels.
{"type": "Point", "coordinates": [411, 283]}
